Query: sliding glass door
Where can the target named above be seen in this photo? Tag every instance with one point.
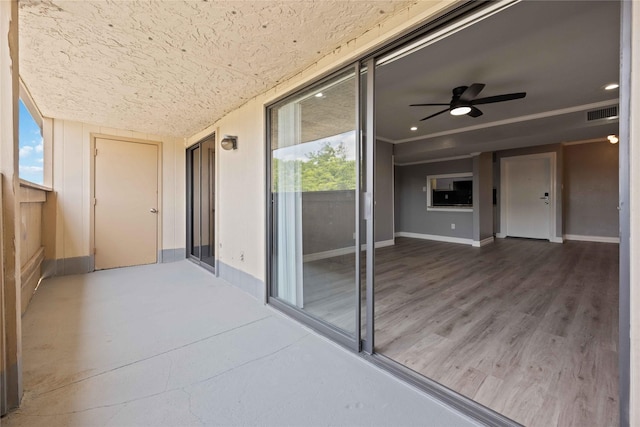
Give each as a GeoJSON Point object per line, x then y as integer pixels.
{"type": "Point", "coordinates": [315, 203]}
{"type": "Point", "coordinates": [201, 203]}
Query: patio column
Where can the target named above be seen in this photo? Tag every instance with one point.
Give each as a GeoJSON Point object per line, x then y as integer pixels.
{"type": "Point", "coordinates": [10, 317]}
{"type": "Point", "coordinates": [634, 201]}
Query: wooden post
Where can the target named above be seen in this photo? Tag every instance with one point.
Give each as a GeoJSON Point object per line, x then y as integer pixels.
{"type": "Point", "coordinates": [11, 381]}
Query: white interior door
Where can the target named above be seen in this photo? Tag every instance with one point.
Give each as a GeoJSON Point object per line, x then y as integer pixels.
{"type": "Point", "coordinates": [528, 197]}
{"type": "Point", "coordinates": [126, 208]}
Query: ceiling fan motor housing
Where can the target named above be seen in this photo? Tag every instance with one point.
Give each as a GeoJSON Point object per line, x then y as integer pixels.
{"type": "Point", "coordinates": [464, 100]}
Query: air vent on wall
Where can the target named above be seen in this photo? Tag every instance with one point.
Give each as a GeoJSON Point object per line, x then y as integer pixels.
{"type": "Point", "coordinates": [603, 113]}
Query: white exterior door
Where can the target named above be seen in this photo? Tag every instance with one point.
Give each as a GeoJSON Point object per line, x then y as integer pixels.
{"type": "Point", "coordinates": [528, 209]}
{"type": "Point", "coordinates": [126, 206]}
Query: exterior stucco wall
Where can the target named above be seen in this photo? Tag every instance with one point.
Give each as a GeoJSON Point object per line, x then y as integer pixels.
{"type": "Point", "coordinates": [241, 173]}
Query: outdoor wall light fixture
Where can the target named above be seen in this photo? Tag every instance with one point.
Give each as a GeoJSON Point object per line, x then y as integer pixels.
{"type": "Point", "coordinates": [229, 142]}
{"type": "Point", "coordinates": [612, 139]}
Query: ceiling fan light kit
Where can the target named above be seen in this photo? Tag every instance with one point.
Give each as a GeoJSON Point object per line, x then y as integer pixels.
{"type": "Point", "coordinates": [460, 111]}
{"type": "Point", "coordinates": [464, 100]}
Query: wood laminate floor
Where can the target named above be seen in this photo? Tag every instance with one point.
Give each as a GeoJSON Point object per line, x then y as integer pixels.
{"type": "Point", "coordinates": [527, 328]}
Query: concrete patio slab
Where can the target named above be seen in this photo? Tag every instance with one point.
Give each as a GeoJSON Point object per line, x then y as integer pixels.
{"type": "Point", "coordinates": [171, 345]}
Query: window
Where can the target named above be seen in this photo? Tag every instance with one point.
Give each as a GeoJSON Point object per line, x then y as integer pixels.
{"type": "Point", "coordinates": [450, 192]}
{"type": "Point", "coordinates": [31, 146]}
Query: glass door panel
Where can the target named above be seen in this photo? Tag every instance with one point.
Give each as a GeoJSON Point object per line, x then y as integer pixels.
{"type": "Point", "coordinates": [207, 202]}
{"type": "Point", "coordinates": [314, 189]}
{"type": "Point", "coordinates": [194, 177]}
{"type": "Point", "coordinates": [201, 200]}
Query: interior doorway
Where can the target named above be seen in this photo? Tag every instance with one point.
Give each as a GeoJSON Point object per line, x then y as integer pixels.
{"type": "Point", "coordinates": [528, 196]}
{"type": "Point", "coordinates": [126, 208]}
{"type": "Point", "coordinates": [201, 183]}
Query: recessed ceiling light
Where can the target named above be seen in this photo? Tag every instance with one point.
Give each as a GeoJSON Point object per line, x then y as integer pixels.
{"type": "Point", "coordinates": [612, 86]}
{"type": "Point", "coordinates": [460, 111]}
{"type": "Point", "coordinates": [319, 95]}
{"type": "Point", "coordinates": [414, 128]}
{"type": "Point", "coordinates": [612, 139]}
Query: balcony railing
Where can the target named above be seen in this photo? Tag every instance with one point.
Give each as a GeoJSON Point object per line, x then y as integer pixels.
{"type": "Point", "coordinates": [32, 198]}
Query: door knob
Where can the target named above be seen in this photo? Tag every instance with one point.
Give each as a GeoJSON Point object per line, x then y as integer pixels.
{"type": "Point", "coordinates": [153, 210]}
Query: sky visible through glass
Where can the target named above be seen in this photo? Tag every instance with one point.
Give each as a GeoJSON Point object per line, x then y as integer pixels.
{"type": "Point", "coordinates": [31, 148]}
{"type": "Point", "coordinates": [301, 151]}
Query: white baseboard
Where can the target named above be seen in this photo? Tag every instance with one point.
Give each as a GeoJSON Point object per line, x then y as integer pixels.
{"type": "Point", "coordinates": [600, 239]}
{"type": "Point", "coordinates": [552, 240]}
{"type": "Point", "coordinates": [329, 254]}
{"type": "Point", "coordinates": [344, 251]}
{"type": "Point", "coordinates": [435, 237]}
{"type": "Point", "coordinates": [385, 243]}
{"type": "Point", "coordinates": [483, 242]}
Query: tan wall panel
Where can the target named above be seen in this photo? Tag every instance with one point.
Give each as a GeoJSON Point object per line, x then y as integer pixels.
{"type": "Point", "coordinates": [71, 184]}
{"type": "Point", "coordinates": [30, 277]}
{"type": "Point", "coordinates": [634, 160]}
{"type": "Point", "coordinates": [10, 319]}
{"type": "Point", "coordinates": [31, 203]}
{"type": "Point", "coordinates": [58, 178]}
{"type": "Point", "coordinates": [72, 197]}
{"type": "Point", "coordinates": [49, 216]}
{"type": "Point", "coordinates": [30, 230]}
{"type": "Point", "coordinates": [173, 201]}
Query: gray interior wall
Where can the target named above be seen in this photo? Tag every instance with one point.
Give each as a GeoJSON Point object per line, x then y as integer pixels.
{"type": "Point", "coordinates": [384, 191]}
{"type": "Point", "coordinates": [482, 196]}
{"type": "Point", "coordinates": [591, 189]}
{"type": "Point", "coordinates": [555, 148]}
{"type": "Point", "coordinates": [411, 213]}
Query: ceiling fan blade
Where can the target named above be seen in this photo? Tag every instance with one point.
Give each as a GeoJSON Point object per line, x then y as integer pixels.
{"type": "Point", "coordinates": [474, 112]}
{"type": "Point", "coordinates": [426, 105]}
{"type": "Point", "coordinates": [471, 92]}
{"type": "Point", "coordinates": [498, 98]}
{"type": "Point", "coordinates": [436, 114]}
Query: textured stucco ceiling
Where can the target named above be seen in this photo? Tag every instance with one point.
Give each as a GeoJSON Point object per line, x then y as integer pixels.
{"type": "Point", "coordinates": [174, 67]}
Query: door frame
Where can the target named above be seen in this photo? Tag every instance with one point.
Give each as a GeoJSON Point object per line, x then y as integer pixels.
{"type": "Point", "coordinates": [189, 205]}
{"type": "Point", "coordinates": [92, 192]}
{"type": "Point", "coordinates": [553, 196]}
{"type": "Point", "coordinates": [325, 328]}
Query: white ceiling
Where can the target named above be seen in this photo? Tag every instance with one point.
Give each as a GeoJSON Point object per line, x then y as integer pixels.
{"type": "Point", "coordinates": [561, 53]}
{"type": "Point", "coordinates": [174, 67]}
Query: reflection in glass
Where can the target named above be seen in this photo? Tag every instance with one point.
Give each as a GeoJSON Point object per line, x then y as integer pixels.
{"type": "Point", "coordinates": [194, 250]}
{"type": "Point", "coordinates": [314, 188]}
{"type": "Point", "coordinates": [201, 159]}
{"type": "Point", "coordinates": [207, 205]}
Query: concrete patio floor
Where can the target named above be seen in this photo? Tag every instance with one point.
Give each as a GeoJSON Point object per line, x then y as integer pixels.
{"type": "Point", "coordinates": [171, 345]}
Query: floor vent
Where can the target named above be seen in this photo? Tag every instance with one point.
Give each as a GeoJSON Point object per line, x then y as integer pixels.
{"type": "Point", "coordinates": [603, 113]}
